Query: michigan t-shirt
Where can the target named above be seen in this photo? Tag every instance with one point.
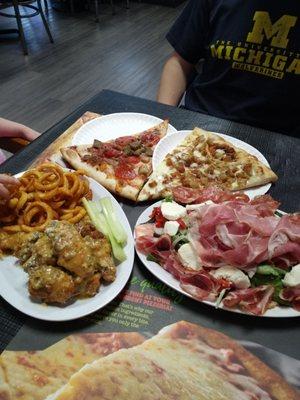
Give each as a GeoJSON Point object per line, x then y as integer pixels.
{"type": "Point", "coordinates": [251, 66]}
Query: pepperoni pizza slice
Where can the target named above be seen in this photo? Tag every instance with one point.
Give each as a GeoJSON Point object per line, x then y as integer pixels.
{"type": "Point", "coordinates": [121, 165]}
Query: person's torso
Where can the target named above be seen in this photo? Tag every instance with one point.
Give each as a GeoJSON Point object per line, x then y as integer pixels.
{"type": "Point", "coordinates": [252, 66]}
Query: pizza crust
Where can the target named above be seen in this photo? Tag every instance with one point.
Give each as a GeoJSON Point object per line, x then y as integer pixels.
{"type": "Point", "coordinates": [52, 152]}
{"type": "Point", "coordinates": [267, 377]}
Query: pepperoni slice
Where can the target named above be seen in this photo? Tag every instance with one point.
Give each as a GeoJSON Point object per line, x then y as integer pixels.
{"type": "Point", "coordinates": [124, 140]}
{"type": "Point", "coordinates": [132, 159]}
{"type": "Point", "coordinates": [150, 138]}
{"type": "Point", "coordinates": [124, 171]}
{"type": "Point", "coordinates": [109, 153]}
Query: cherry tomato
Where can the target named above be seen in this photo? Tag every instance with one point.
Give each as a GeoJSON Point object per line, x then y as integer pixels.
{"type": "Point", "coordinates": [156, 211]}
{"type": "Point", "coordinates": [158, 217]}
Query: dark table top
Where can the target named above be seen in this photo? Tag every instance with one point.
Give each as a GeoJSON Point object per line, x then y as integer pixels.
{"type": "Point", "coordinates": [283, 154]}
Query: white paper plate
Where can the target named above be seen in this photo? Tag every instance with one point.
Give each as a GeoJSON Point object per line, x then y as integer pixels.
{"type": "Point", "coordinates": [168, 279]}
{"type": "Point", "coordinates": [13, 279]}
{"type": "Point", "coordinates": [112, 126]}
{"type": "Point", "coordinates": [168, 143]}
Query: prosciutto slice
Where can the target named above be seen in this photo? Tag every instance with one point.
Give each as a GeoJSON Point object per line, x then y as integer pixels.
{"type": "Point", "coordinates": [144, 230]}
{"type": "Point", "coordinates": [202, 286]}
{"type": "Point", "coordinates": [267, 205]}
{"type": "Point", "coordinates": [284, 243]}
{"type": "Point", "coordinates": [169, 260]}
{"type": "Point", "coordinates": [244, 234]}
{"type": "Point", "coordinates": [186, 195]}
{"type": "Point", "coordinates": [146, 244]}
{"type": "Point", "coordinates": [292, 295]}
{"type": "Point", "coordinates": [254, 300]}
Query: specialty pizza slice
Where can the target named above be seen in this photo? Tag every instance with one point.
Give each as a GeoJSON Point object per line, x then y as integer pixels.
{"type": "Point", "coordinates": [184, 362]}
{"type": "Point", "coordinates": [204, 159]}
{"type": "Point", "coordinates": [121, 165]}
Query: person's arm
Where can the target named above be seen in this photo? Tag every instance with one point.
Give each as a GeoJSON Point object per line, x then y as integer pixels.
{"type": "Point", "coordinates": [14, 129]}
{"type": "Point", "coordinates": [5, 182]}
{"type": "Point", "coordinates": [174, 80]}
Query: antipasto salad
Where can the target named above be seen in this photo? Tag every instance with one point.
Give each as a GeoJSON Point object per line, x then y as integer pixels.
{"type": "Point", "coordinates": [225, 248]}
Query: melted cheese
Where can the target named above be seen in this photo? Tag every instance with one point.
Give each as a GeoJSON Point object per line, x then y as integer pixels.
{"type": "Point", "coordinates": [163, 367]}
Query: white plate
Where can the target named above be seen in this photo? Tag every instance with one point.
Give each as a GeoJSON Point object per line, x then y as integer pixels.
{"type": "Point", "coordinates": [112, 126]}
{"type": "Point", "coordinates": [168, 279]}
{"type": "Point", "coordinates": [168, 143]}
{"type": "Point", "coordinates": [13, 279]}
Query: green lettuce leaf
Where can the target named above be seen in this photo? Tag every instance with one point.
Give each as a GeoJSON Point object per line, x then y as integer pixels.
{"type": "Point", "coordinates": [168, 199]}
{"type": "Point", "coordinates": [150, 257]}
{"type": "Point", "coordinates": [270, 270]}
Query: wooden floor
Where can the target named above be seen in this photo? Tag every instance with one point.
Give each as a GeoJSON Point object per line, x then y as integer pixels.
{"type": "Point", "coordinates": [124, 52]}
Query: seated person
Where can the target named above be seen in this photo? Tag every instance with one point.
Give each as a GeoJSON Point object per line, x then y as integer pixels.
{"type": "Point", "coordinates": [15, 130]}
{"type": "Point", "coordinates": [250, 62]}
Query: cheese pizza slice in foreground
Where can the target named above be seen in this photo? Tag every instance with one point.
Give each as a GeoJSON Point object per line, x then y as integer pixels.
{"type": "Point", "coordinates": [183, 362]}
{"type": "Point", "coordinates": [204, 159]}
{"type": "Point", "coordinates": [33, 375]}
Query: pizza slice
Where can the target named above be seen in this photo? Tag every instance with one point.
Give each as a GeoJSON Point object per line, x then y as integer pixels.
{"type": "Point", "coordinates": [121, 165]}
{"type": "Point", "coordinates": [183, 361]}
{"type": "Point", "coordinates": [33, 375]}
{"type": "Point", "coordinates": [204, 159]}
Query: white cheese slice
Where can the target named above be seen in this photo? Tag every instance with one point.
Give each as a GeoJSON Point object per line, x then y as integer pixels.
{"type": "Point", "coordinates": [191, 207]}
{"type": "Point", "coordinates": [172, 210]}
{"type": "Point", "coordinates": [171, 228]}
{"type": "Point", "coordinates": [235, 275]}
{"type": "Point", "coordinates": [292, 278]}
{"type": "Point", "coordinates": [188, 257]}
{"type": "Point", "coordinates": [158, 231]}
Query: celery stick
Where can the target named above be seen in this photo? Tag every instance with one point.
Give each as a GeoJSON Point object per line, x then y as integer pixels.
{"type": "Point", "coordinates": [117, 249]}
{"type": "Point", "coordinates": [99, 221]}
{"type": "Point", "coordinates": [89, 209]}
{"type": "Point", "coordinates": [112, 220]}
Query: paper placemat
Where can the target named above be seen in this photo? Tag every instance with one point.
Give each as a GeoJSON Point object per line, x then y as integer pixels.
{"type": "Point", "coordinates": [52, 152]}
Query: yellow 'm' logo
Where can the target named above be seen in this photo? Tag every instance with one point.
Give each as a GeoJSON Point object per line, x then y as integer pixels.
{"type": "Point", "coordinates": [278, 31]}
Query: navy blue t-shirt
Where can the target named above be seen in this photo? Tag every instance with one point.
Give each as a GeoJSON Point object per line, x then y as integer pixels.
{"type": "Point", "coordinates": [251, 65]}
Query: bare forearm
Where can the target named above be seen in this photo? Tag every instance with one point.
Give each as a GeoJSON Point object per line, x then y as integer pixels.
{"type": "Point", "coordinates": [10, 128]}
{"type": "Point", "coordinates": [14, 129]}
{"type": "Point", "coordinates": [174, 79]}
